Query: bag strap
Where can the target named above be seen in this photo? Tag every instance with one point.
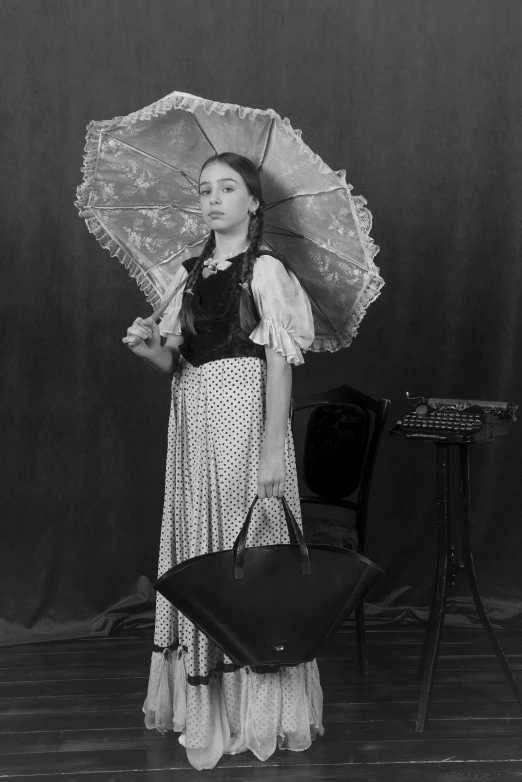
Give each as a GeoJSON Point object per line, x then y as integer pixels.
{"type": "Point", "coordinates": [296, 539]}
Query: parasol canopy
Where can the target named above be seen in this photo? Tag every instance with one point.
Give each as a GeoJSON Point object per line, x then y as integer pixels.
{"type": "Point", "coordinates": [140, 198]}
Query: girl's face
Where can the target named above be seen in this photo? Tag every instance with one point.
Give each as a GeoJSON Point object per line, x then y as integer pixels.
{"type": "Point", "coordinates": [225, 200]}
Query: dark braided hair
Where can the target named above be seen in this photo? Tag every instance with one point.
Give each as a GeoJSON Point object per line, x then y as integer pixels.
{"type": "Point", "coordinates": [186, 318]}
{"type": "Point", "coordinates": [248, 316]}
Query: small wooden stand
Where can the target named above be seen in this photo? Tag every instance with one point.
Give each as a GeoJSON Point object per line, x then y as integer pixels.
{"type": "Point", "coordinates": [447, 569]}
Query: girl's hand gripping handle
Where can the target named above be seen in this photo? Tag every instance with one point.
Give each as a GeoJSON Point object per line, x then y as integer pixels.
{"type": "Point", "coordinates": [143, 337]}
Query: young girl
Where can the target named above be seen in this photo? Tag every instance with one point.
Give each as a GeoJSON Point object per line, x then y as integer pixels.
{"type": "Point", "coordinates": [235, 326]}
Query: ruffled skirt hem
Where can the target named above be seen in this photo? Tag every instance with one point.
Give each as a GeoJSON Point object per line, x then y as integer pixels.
{"type": "Point", "coordinates": [236, 711]}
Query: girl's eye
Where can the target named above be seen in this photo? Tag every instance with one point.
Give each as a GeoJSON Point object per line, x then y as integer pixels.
{"type": "Point", "coordinates": [206, 192]}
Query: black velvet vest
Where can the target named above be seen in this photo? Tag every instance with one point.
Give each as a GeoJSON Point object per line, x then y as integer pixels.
{"type": "Point", "coordinates": [215, 306]}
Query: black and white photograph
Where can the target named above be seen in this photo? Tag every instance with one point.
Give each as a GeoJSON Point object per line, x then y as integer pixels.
{"type": "Point", "coordinates": [261, 361]}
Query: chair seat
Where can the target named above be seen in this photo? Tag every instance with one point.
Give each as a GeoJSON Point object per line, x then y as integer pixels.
{"type": "Point", "coordinates": [324, 529]}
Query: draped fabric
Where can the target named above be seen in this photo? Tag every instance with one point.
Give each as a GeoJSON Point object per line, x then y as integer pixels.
{"type": "Point", "coordinates": [420, 103]}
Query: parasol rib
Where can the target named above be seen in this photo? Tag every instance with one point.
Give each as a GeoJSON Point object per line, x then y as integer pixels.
{"type": "Point", "coordinates": [320, 310]}
{"type": "Point", "coordinates": [204, 134]}
{"type": "Point", "coordinates": [121, 244]}
{"type": "Point", "coordinates": [190, 210]}
{"type": "Point", "coordinates": [152, 157]}
{"type": "Point", "coordinates": [268, 137]}
{"type": "Point", "coordinates": [158, 312]}
{"type": "Point", "coordinates": [111, 234]}
{"type": "Point", "coordinates": [283, 231]}
{"type": "Point", "coordinates": [302, 195]}
{"type": "Point", "coordinates": [98, 149]}
{"type": "Point", "coordinates": [312, 298]}
{"type": "Point", "coordinates": [178, 252]}
{"type": "Point", "coordinates": [294, 235]}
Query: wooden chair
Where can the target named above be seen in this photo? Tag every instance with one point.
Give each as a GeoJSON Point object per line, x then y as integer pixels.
{"type": "Point", "coordinates": [341, 431]}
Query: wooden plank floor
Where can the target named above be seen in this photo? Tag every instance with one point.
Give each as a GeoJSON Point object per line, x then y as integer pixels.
{"type": "Point", "coordinates": [71, 710]}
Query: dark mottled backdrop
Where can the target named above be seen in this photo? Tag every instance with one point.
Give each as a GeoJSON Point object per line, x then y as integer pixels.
{"type": "Point", "coordinates": [421, 103]}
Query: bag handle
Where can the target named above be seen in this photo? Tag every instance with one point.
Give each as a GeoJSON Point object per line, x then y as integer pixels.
{"type": "Point", "coordinates": [296, 538]}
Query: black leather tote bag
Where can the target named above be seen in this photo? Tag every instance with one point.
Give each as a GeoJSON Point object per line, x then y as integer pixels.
{"type": "Point", "coordinates": [270, 605]}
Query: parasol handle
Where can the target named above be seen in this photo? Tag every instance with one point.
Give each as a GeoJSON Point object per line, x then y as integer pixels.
{"type": "Point", "coordinates": [158, 312]}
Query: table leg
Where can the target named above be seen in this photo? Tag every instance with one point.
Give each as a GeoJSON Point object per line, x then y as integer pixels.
{"type": "Point", "coordinates": [436, 619]}
{"type": "Point", "coordinates": [364, 668]}
{"type": "Point", "coordinates": [469, 566]}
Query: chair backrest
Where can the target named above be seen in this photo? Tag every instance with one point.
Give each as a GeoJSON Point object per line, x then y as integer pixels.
{"type": "Point", "coordinates": [340, 445]}
{"type": "Point", "coordinates": [335, 447]}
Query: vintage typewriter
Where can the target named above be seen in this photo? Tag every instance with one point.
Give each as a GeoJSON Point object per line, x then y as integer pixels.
{"type": "Point", "coordinates": [455, 420]}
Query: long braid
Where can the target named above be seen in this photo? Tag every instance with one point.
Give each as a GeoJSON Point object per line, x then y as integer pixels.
{"type": "Point", "coordinates": [247, 313]}
{"type": "Point", "coordinates": [186, 317]}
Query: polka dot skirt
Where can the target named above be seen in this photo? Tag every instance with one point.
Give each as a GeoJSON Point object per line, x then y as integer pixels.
{"type": "Point", "coordinates": [214, 444]}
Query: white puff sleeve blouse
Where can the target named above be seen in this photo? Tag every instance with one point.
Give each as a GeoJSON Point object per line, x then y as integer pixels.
{"type": "Point", "coordinates": [286, 323]}
{"type": "Point", "coordinates": [169, 323]}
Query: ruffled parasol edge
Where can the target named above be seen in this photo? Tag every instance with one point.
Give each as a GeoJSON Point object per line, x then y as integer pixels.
{"type": "Point", "coordinates": [367, 297]}
{"type": "Point", "coordinates": [96, 227]}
